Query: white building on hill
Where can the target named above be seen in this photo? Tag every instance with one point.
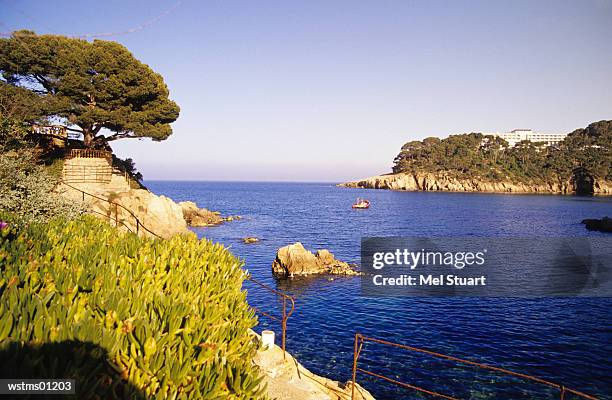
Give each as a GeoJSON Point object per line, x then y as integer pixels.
{"type": "Point", "coordinates": [517, 135]}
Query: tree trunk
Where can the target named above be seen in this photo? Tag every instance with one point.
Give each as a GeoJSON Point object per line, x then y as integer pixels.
{"type": "Point", "coordinates": [88, 137]}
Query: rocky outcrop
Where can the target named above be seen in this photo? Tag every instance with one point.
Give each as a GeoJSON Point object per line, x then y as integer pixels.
{"type": "Point", "coordinates": [602, 225]}
{"type": "Point", "coordinates": [195, 216]}
{"type": "Point", "coordinates": [294, 260]}
{"type": "Point", "coordinates": [156, 215]}
{"type": "Point", "coordinates": [443, 182]}
{"type": "Point", "coordinates": [286, 378]}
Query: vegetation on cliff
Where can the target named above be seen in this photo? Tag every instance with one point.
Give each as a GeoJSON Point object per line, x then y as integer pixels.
{"type": "Point", "coordinates": [127, 317]}
{"type": "Point", "coordinates": [585, 153]}
{"type": "Point", "coordinates": [28, 172]}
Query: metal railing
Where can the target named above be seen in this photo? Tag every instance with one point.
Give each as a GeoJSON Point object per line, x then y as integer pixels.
{"type": "Point", "coordinates": [90, 153]}
{"type": "Point", "coordinates": [50, 130]}
{"type": "Point", "coordinates": [87, 174]}
{"type": "Point", "coordinates": [360, 340]}
{"type": "Point", "coordinates": [285, 299]}
{"type": "Point", "coordinates": [56, 131]}
{"type": "Point", "coordinates": [138, 224]}
{"type": "Point", "coordinates": [110, 218]}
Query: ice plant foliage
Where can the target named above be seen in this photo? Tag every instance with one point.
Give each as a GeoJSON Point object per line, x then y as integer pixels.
{"type": "Point", "coordinates": [168, 317]}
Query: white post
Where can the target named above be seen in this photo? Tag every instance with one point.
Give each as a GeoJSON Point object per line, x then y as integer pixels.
{"type": "Point", "coordinates": [267, 339]}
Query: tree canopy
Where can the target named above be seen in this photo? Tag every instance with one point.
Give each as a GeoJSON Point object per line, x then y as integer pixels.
{"type": "Point", "coordinates": [88, 86]}
{"type": "Point", "coordinates": [588, 151]}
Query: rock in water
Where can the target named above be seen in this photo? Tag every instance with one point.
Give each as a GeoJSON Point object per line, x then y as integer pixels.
{"type": "Point", "coordinates": [294, 259]}
{"type": "Point", "coordinates": [195, 216]}
{"type": "Point", "coordinates": [250, 239]}
{"type": "Point", "coordinates": [603, 225]}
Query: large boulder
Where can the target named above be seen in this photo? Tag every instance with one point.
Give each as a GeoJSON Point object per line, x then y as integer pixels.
{"type": "Point", "coordinates": [158, 214]}
{"type": "Point", "coordinates": [603, 225]}
{"type": "Point", "coordinates": [195, 216]}
{"type": "Point", "coordinates": [294, 259]}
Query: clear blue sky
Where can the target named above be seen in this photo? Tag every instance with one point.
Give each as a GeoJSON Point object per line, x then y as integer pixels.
{"type": "Point", "coordinates": [330, 90]}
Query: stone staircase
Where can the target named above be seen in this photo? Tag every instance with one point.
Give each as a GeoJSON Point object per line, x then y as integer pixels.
{"type": "Point", "coordinates": [94, 173]}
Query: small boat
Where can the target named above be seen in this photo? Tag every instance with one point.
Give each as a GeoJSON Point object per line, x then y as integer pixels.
{"type": "Point", "coordinates": [361, 203]}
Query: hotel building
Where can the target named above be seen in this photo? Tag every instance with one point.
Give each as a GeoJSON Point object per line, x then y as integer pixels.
{"type": "Point", "coordinates": [517, 135]}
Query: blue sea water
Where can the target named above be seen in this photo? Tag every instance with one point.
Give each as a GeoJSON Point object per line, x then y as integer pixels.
{"type": "Point", "coordinates": [564, 340]}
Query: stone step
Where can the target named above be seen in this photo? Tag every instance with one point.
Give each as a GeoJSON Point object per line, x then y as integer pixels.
{"type": "Point", "coordinates": [95, 171]}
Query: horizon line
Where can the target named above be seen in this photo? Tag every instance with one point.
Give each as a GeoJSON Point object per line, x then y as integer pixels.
{"type": "Point", "coordinates": [241, 181]}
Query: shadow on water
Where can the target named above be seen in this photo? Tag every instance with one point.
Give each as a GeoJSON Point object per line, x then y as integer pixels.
{"type": "Point", "coordinates": [300, 285]}
{"type": "Point", "coordinates": [87, 363]}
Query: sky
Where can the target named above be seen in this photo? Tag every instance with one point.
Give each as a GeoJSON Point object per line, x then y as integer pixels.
{"type": "Point", "coordinates": [329, 91]}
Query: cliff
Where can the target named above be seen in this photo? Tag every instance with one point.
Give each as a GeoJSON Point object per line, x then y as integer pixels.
{"type": "Point", "coordinates": [159, 214]}
{"type": "Point", "coordinates": [477, 162]}
{"type": "Point", "coordinates": [156, 213]}
{"type": "Point", "coordinates": [443, 182]}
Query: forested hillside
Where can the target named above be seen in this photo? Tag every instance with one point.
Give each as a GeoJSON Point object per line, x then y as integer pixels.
{"type": "Point", "coordinates": [584, 153]}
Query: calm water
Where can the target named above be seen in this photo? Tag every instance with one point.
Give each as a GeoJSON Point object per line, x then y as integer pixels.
{"type": "Point", "coordinates": [567, 340]}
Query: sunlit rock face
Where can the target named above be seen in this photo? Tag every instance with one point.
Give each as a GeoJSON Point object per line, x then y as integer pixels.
{"type": "Point", "coordinates": [443, 182]}
{"type": "Point", "coordinates": [294, 260]}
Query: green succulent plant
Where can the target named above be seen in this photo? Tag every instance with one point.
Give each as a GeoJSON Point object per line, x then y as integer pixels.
{"type": "Point", "coordinates": [168, 317]}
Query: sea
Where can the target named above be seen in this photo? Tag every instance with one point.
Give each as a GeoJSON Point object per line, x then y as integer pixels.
{"type": "Point", "coordinates": [566, 340]}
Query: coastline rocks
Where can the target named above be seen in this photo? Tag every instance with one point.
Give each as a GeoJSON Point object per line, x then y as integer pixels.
{"type": "Point", "coordinates": [197, 217]}
{"type": "Point", "coordinates": [294, 259]}
{"type": "Point", "coordinates": [424, 181]}
{"type": "Point", "coordinates": [602, 225]}
{"type": "Point", "coordinates": [286, 378]}
{"type": "Point", "coordinates": [159, 214]}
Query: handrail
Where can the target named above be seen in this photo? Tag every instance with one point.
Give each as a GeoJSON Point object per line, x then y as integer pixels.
{"type": "Point", "coordinates": [286, 298]}
{"type": "Point", "coordinates": [116, 220]}
{"type": "Point", "coordinates": [286, 315]}
{"type": "Point", "coordinates": [90, 153]}
{"type": "Point", "coordinates": [84, 174]}
{"type": "Point", "coordinates": [361, 339]}
{"type": "Point", "coordinates": [138, 223]}
{"type": "Point", "coordinates": [50, 130]}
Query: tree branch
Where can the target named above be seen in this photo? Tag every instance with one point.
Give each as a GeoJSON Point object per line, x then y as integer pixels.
{"type": "Point", "coordinates": [119, 136]}
{"type": "Point", "coordinates": [44, 82]}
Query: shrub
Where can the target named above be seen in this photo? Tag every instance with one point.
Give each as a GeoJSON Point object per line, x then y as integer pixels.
{"type": "Point", "coordinates": [27, 188]}
{"type": "Point", "coordinates": [168, 318]}
{"type": "Point", "coordinates": [26, 184]}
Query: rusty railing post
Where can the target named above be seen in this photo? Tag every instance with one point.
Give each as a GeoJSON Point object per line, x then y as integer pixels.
{"type": "Point", "coordinates": [284, 325]}
{"type": "Point", "coordinates": [355, 356]}
{"type": "Point", "coordinates": [562, 392]}
{"type": "Point", "coordinates": [137, 226]}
